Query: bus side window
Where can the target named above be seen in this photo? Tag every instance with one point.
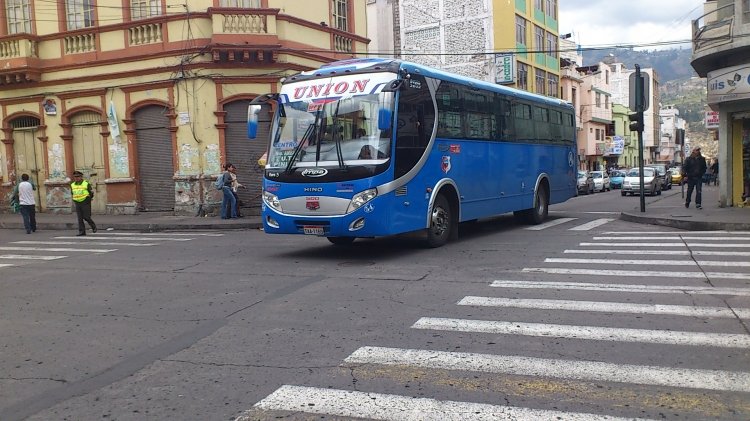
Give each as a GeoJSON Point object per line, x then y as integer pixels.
{"type": "Point", "coordinates": [415, 120]}
{"type": "Point", "coordinates": [504, 118]}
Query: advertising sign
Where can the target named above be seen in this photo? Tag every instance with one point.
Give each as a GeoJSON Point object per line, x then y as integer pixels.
{"type": "Point", "coordinates": [728, 84]}
{"type": "Point", "coordinates": [505, 69]}
{"type": "Point", "coordinates": [712, 119]}
{"type": "Point", "coordinates": [618, 145]}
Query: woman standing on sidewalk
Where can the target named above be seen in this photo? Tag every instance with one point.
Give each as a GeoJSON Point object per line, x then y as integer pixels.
{"type": "Point", "coordinates": [228, 202]}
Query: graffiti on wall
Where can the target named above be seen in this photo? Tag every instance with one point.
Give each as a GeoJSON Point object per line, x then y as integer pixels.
{"type": "Point", "coordinates": [56, 162]}
{"type": "Point", "coordinates": [118, 156]}
{"type": "Point", "coordinates": [213, 159]}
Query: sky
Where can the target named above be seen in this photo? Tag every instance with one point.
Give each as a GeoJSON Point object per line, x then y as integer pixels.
{"type": "Point", "coordinates": [629, 22]}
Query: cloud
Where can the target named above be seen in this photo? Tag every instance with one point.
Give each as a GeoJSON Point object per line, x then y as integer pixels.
{"type": "Point", "coordinates": [632, 22]}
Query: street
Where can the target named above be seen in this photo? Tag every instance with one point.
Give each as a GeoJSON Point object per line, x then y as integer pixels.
{"type": "Point", "coordinates": [583, 317]}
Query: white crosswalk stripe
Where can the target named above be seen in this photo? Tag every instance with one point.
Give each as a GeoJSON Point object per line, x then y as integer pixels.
{"type": "Point", "coordinates": [548, 224]}
{"type": "Point", "coordinates": [29, 257]}
{"type": "Point", "coordinates": [131, 238]}
{"type": "Point", "coordinates": [56, 249]}
{"type": "Point", "coordinates": [717, 380]}
{"type": "Point", "coordinates": [379, 406]}
{"type": "Point", "coordinates": [591, 225]}
{"type": "Point", "coordinates": [650, 251]}
{"type": "Point", "coordinates": [88, 243]}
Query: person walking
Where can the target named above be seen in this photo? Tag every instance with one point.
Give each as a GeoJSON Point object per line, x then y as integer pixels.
{"type": "Point", "coordinates": [82, 196]}
{"type": "Point", "coordinates": [694, 168]}
{"type": "Point", "coordinates": [27, 203]}
{"type": "Point", "coordinates": [715, 172]}
{"type": "Point", "coordinates": [228, 202]}
{"type": "Point", "coordinates": [235, 185]}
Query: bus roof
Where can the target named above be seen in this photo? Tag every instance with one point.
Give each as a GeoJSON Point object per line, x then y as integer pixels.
{"type": "Point", "coordinates": [375, 64]}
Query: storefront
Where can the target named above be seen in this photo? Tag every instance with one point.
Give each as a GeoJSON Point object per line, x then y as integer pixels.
{"type": "Point", "coordinates": [729, 94]}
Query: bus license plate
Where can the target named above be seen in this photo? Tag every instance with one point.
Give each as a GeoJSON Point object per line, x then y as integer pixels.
{"type": "Point", "coordinates": [312, 230]}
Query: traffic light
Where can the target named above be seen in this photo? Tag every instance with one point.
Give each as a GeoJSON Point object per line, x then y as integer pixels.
{"type": "Point", "coordinates": [636, 122]}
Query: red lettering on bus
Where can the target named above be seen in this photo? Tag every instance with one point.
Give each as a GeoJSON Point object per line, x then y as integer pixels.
{"type": "Point", "coordinates": [359, 86]}
{"type": "Point", "coordinates": [328, 89]}
{"type": "Point", "coordinates": [341, 88]}
{"type": "Point", "coordinates": [314, 91]}
{"type": "Point", "coordinates": [299, 92]}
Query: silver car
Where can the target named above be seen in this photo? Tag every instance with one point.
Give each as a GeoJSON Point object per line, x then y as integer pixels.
{"type": "Point", "coordinates": [632, 182]}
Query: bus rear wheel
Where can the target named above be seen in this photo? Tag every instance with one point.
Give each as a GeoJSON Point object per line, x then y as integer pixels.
{"type": "Point", "coordinates": [341, 241]}
{"type": "Point", "coordinates": [539, 212]}
{"type": "Point", "coordinates": [441, 222]}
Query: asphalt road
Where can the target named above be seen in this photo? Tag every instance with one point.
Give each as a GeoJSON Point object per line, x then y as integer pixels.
{"type": "Point", "coordinates": [507, 321]}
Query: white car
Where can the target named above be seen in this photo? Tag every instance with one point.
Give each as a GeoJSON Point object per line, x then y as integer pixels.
{"type": "Point", "coordinates": [632, 182]}
{"type": "Point", "coordinates": [601, 181]}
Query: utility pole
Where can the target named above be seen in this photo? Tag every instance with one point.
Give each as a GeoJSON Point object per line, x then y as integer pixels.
{"type": "Point", "coordinates": [639, 88]}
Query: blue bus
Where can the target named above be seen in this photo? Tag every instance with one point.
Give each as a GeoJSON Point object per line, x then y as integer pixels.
{"type": "Point", "coordinates": [374, 147]}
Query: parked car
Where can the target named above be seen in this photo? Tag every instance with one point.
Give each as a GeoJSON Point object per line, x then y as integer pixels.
{"type": "Point", "coordinates": [616, 177]}
{"type": "Point", "coordinates": [661, 174]}
{"type": "Point", "coordinates": [585, 182]}
{"type": "Point", "coordinates": [676, 175]}
{"type": "Point", "coordinates": [632, 182]}
{"type": "Point", "coordinates": [601, 181]}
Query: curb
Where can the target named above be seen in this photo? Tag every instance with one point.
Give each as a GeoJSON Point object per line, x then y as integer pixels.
{"type": "Point", "coordinates": [686, 225]}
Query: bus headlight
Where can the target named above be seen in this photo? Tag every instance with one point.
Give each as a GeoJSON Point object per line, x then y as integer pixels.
{"type": "Point", "coordinates": [272, 200]}
{"type": "Point", "coordinates": [361, 198]}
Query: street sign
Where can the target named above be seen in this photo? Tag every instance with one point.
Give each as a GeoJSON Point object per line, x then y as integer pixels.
{"type": "Point", "coordinates": [644, 90]}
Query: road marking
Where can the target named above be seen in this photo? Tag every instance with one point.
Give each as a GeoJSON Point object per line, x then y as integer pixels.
{"type": "Point", "coordinates": [639, 273]}
{"type": "Point", "coordinates": [712, 245]}
{"type": "Point", "coordinates": [55, 249]}
{"type": "Point", "coordinates": [719, 380]}
{"type": "Point", "coordinates": [596, 333]}
{"type": "Point", "coordinates": [591, 225]}
{"type": "Point", "coordinates": [605, 307]}
{"type": "Point", "coordinates": [671, 237]}
{"type": "Point", "coordinates": [97, 237]}
{"type": "Point", "coordinates": [663, 252]}
{"type": "Point", "coordinates": [621, 261]}
{"type": "Point", "coordinates": [158, 234]}
{"type": "Point", "coordinates": [651, 289]}
{"type": "Point", "coordinates": [677, 232]}
{"type": "Point", "coordinates": [5, 265]}
{"type": "Point", "coordinates": [89, 243]}
{"type": "Point", "coordinates": [379, 406]}
{"type": "Point", "coordinates": [29, 257]}
{"type": "Point", "coordinates": [551, 223]}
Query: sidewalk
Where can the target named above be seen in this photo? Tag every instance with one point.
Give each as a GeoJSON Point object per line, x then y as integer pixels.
{"type": "Point", "coordinates": [667, 209]}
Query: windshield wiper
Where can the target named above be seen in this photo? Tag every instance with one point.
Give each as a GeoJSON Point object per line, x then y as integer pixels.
{"type": "Point", "coordinates": [337, 139]}
{"type": "Point", "coordinates": [298, 148]}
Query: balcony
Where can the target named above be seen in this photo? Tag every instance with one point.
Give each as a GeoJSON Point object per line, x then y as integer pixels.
{"type": "Point", "coordinates": [721, 37]}
{"type": "Point", "coordinates": [19, 59]}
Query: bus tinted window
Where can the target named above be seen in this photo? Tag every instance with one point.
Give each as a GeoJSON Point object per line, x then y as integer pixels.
{"type": "Point", "coordinates": [541, 123]}
{"type": "Point", "coordinates": [449, 101]}
{"type": "Point", "coordinates": [480, 120]}
{"type": "Point", "coordinates": [524, 125]}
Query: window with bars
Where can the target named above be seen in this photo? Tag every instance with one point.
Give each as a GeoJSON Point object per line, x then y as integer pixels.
{"type": "Point", "coordinates": [247, 4]}
{"type": "Point", "coordinates": [522, 76]}
{"type": "Point", "coordinates": [540, 79]}
{"type": "Point", "coordinates": [141, 9]}
{"type": "Point", "coordinates": [341, 15]}
{"type": "Point", "coordinates": [79, 13]}
{"type": "Point", "coordinates": [520, 30]}
{"type": "Point", "coordinates": [19, 16]}
{"type": "Point", "coordinates": [552, 84]}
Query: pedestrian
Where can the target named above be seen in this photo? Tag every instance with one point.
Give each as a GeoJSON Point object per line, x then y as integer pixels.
{"type": "Point", "coordinates": [235, 185]}
{"type": "Point", "coordinates": [27, 203]}
{"type": "Point", "coordinates": [694, 168]}
{"type": "Point", "coordinates": [228, 202]}
{"type": "Point", "coordinates": [715, 171]}
{"type": "Point", "coordinates": [82, 196]}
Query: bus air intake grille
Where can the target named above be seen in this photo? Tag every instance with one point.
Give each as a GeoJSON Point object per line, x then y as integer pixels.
{"type": "Point", "coordinates": [401, 191]}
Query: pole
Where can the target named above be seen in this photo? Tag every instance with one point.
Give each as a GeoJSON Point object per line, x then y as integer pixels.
{"type": "Point", "coordinates": [639, 109]}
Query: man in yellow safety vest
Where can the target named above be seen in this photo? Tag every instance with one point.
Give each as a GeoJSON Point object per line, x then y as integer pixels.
{"type": "Point", "coordinates": [82, 195]}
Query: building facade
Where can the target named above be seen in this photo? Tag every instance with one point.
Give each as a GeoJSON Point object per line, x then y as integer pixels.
{"type": "Point", "coordinates": [512, 43]}
{"type": "Point", "coordinates": [721, 54]}
{"type": "Point", "coordinates": [595, 117]}
{"type": "Point", "coordinates": [148, 98]}
{"type": "Point", "coordinates": [672, 128]}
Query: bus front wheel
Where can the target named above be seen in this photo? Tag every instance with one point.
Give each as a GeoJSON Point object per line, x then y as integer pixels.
{"type": "Point", "coordinates": [440, 222]}
{"type": "Point", "coordinates": [341, 241]}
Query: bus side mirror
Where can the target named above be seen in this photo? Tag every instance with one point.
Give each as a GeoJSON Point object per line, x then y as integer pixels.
{"type": "Point", "coordinates": [252, 121]}
{"type": "Point", "coordinates": [384, 119]}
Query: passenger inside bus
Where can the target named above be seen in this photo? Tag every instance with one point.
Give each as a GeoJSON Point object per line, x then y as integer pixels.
{"type": "Point", "coordinates": [367, 153]}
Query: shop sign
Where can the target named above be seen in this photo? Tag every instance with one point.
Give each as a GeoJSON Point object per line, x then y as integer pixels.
{"type": "Point", "coordinates": [712, 119]}
{"type": "Point", "coordinates": [505, 69]}
{"type": "Point", "coordinates": [729, 84]}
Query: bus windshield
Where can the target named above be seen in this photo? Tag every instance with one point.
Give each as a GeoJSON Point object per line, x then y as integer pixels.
{"type": "Point", "coordinates": [330, 133]}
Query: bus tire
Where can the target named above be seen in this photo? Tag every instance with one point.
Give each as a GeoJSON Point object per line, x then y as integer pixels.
{"type": "Point", "coordinates": [441, 222]}
{"type": "Point", "coordinates": [341, 241]}
{"type": "Point", "coordinates": [539, 212]}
